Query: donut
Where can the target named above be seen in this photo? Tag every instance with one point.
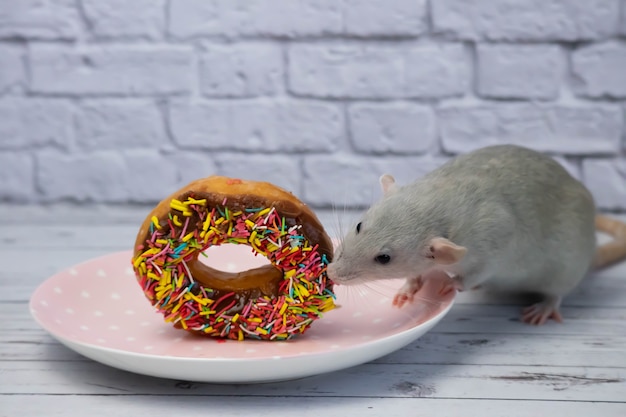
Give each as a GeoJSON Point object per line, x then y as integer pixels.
{"type": "Point", "coordinates": [274, 302]}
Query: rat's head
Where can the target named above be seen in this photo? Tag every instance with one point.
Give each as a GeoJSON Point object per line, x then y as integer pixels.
{"type": "Point", "coordinates": [390, 241]}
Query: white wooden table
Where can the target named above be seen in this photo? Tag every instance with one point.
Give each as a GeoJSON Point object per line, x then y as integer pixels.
{"type": "Point", "coordinates": [479, 361]}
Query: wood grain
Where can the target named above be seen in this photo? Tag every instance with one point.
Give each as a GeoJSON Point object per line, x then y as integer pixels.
{"type": "Point", "coordinates": [479, 361]}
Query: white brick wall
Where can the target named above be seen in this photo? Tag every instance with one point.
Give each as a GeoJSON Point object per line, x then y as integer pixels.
{"type": "Point", "coordinates": [123, 101]}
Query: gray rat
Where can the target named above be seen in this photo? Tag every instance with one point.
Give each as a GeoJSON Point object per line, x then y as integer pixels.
{"type": "Point", "coordinates": [503, 216]}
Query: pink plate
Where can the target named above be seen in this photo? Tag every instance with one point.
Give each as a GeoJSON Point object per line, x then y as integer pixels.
{"type": "Point", "coordinates": [97, 309]}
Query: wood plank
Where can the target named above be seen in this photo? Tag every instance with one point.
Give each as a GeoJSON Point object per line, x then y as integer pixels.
{"type": "Point", "coordinates": [68, 237]}
{"type": "Point", "coordinates": [369, 380]}
{"type": "Point", "coordinates": [89, 236]}
{"type": "Point", "coordinates": [485, 319]}
{"type": "Point", "coordinates": [596, 291]}
{"type": "Point", "coordinates": [72, 214]}
{"type": "Point", "coordinates": [41, 264]}
{"type": "Point", "coordinates": [226, 406]}
{"type": "Point", "coordinates": [432, 348]}
{"type": "Point", "coordinates": [112, 214]}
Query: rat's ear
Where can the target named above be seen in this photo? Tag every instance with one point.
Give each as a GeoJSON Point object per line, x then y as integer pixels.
{"type": "Point", "coordinates": [444, 252]}
{"type": "Point", "coordinates": [388, 184]}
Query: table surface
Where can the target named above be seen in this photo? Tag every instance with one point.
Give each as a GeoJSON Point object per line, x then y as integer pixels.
{"type": "Point", "coordinates": [479, 360]}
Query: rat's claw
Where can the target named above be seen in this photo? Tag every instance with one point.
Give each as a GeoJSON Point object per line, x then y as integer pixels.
{"type": "Point", "coordinates": [407, 292]}
{"type": "Point", "coordinates": [537, 314]}
{"type": "Point", "coordinates": [454, 284]}
{"type": "Point", "coordinates": [400, 299]}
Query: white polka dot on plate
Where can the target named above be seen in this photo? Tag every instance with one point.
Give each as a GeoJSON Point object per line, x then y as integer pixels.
{"type": "Point", "coordinates": [357, 314]}
{"type": "Point", "coordinates": [101, 273]}
{"type": "Point", "coordinates": [145, 323]}
{"type": "Point", "coordinates": [101, 341]}
{"type": "Point", "coordinates": [98, 313]}
{"type": "Point", "coordinates": [69, 310]}
{"type": "Point", "coordinates": [346, 331]}
{"type": "Point", "coordinates": [160, 331]}
{"type": "Point", "coordinates": [129, 312]}
{"type": "Point", "coordinates": [129, 271]}
{"type": "Point", "coordinates": [335, 346]}
{"type": "Point", "coordinates": [197, 348]}
{"type": "Point", "coordinates": [130, 339]}
{"type": "Point", "coordinates": [84, 328]}
{"type": "Point", "coordinates": [276, 357]}
{"type": "Point", "coordinates": [250, 350]}
{"type": "Point", "coordinates": [58, 290]}
{"type": "Point", "coordinates": [377, 320]}
{"type": "Point", "coordinates": [148, 347]}
{"type": "Point", "coordinates": [73, 272]}
{"type": "Point", "coordinates": [366, 337]}
{"type": "Point", "coordinates": [44, 303]}
{"type": "Point", "coordinates": [114, 327]}
{"type": "Point", "coordinates": [85, 294]}
{"type": "Point", "coordinates": [383, 300]}
{"type": "Point", "coordinates": [115, 296]}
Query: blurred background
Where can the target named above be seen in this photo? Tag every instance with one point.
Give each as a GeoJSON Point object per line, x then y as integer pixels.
{"type": "Point", "coordinates": [120, 102]}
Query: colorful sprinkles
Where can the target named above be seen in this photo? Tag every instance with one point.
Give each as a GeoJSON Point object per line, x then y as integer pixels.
{"type": "Point", "coordinates": [161, 266]}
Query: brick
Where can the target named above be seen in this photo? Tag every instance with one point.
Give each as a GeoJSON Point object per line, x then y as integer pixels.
{"type": "Point", "coordinates": [391, 128]}
{"type": "Point", "coordinates": [519, 71]}
{"type": "Point", "coordinates": [284, 18]}
{"type": "Point", "coordinates": [17, 182]}
{"type": "Point", "coordinates": [92, 177]}
{"type": "Point", "coordinates": [34, 122]}
{"type": "Point", "coordinates": [241, 70]}
{"type": "Point", "coordinates": [150, 176]}
{"type": "Point", "coordinates": [623, 21]}
{"type": "Point", "coordinates": [600, 70]}
{"type": "Point", "coordinates": [282, 170]}
{"type": "Point", "coordinates": [111, 70]}
{"type": "Point", "coordinates": [12, 70]}
{"type": "Point", "coordinates": [574, 130]}
{"type": "Point", "coordinates": [573, 169]}
{"type": "Point", "coordinates": [257, 125]}
{"type": "Point", "coordinates": [352, 181]}
{"type": "Point", "coordinates": [375, 71]}
{"type": "Point", "coordinates": [106, 176]}
{"type": "Point", "coordinates": [190, 166]}
{"type": "Point", "coordinates": [531, 20]}
{"type": "Point", "coordinates": [395, 18]}
{"type": "Point", "coordinates": [122, 18]}
{"type": "Point", "coordinates": [606, 179]}
{"type": "Point", "coordinates": [124, 124]}
{"type": "Point", "coordinates": [36, 19]}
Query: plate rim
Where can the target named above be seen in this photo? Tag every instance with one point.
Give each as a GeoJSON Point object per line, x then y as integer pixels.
{"type": "Point", "coordinates": [407, 334]}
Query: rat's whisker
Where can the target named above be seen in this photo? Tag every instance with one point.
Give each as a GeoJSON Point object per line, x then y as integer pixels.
{"type": "Point", "coordinates": [381, 288]}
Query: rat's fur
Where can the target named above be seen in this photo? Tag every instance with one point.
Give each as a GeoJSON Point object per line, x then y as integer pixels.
{"type": "Point", "coordinates": [526, 225]}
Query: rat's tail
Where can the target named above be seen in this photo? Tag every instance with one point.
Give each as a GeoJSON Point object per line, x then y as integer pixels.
{"type": "Point", "coordinates": [614, 251]}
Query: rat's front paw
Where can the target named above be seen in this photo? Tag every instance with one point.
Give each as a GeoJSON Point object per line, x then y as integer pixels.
{"type": "Point", "coordinates": [453, 284]}
{"type": "Point", "coordinates": [407, 292]}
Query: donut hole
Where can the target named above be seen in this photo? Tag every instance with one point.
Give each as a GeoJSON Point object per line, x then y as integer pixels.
{"type": "Point", "coordinates": [232, 258]}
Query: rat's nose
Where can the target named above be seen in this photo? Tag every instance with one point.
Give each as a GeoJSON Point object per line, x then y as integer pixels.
{"type": "Point", "coordinates": [334, 275]}
{"type": "Point", "coordinates": [331, 270]}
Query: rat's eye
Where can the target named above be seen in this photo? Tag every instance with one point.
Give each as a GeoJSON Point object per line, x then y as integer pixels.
{"type": "Point", "coordinates": [383, 259]}
{"type": "Point", "coordinates": [358, 228]}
